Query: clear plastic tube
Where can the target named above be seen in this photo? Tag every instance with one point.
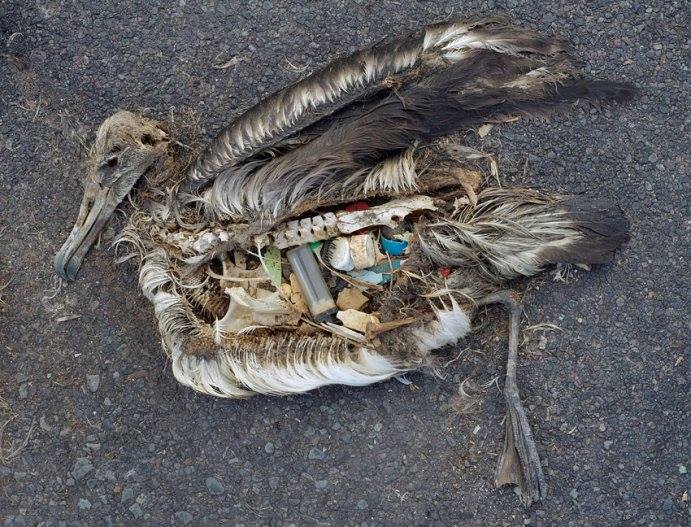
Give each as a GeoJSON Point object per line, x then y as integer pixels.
{"type": "Point", "coordinates": [317, 295]}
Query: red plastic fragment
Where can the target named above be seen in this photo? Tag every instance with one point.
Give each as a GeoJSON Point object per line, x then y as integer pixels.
{"type": "Point", "coordinates": [444, 272]}
{"type": "Point", "coordinates": [358, 205]}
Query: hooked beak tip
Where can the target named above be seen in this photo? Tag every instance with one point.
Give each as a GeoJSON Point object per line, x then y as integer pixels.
{"type": "Point", "coordinates": [93, 217]}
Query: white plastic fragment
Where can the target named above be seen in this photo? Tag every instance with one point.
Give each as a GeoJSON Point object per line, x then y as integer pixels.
{"type": "Point", "coordinates": [356, 320]}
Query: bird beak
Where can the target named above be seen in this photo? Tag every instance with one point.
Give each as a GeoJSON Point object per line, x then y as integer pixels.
{"type": "Point", "coordinates": [98, 204]}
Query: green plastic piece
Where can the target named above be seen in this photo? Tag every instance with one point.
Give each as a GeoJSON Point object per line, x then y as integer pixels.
{"type": "Point", "coordinates": [272, 261]}
{"type": "Point", "coordinates": [314, 246]}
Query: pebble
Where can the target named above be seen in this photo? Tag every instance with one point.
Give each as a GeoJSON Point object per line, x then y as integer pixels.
{"type": "Point", "coordinates": [183, 518]}
{"type": "Point", "coordinates": [81, 468]}
{"type": "Point", "coordinates": [682, 469]}
{"type": "Point", "coordinates": [136, 510]}
{"type": "Point", "coordinates": [269, 448]}
{"type": "Point", "coordinates": [93, 382]}
{"type": "Point", "coordinates": [362, 505]}
{"type": "Point", "coordinates": [315, 453]}
{"type": "Point", "coordinates": [84, 504]}
{"type": "Point", "coordinates": [214, 486]}
{"type": "Point", "coordinates": [44, 424]}
{"type": "Point", "coordinates": [127, 494]}
{"type": "Point", "coordinates": [23, 391]}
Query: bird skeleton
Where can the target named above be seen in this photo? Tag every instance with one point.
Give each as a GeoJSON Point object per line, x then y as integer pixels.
{"type": "Point", "coordinates": [238, 253]}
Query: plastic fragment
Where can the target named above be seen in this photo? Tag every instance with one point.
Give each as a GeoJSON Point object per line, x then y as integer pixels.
{"type": "Point", "coordinates": [358, 205]}
{"type": "Point", "coordinates": [356, 320]}
{"type": "Point", "coordinates": [314, 289]}
{"type": "Point", "coordinates": [368, 276]}
{"type": "Point", "coordinates": [272, 262]}
{"type": "Point", "coordinates": [393, 247]}
{"type": "Point", "coordinates": [378, 274]}
{"type": "Point", "coordinates": [351, 298]}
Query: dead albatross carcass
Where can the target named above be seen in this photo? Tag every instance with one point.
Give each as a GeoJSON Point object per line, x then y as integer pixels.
{"type": "Point", "coordinates": [332, 234]}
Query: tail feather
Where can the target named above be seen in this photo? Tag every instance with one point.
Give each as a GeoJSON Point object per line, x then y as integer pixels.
{"type": "Point", "coordinates": [603, 228]}
{"type": "Point", "coordinates": [518, 232]}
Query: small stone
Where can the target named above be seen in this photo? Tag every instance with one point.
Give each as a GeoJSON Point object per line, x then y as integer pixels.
{"type": "Point", "coordinates": [44, 424]}
{"type": "Point", "coordinates": [81, 468]}
{"type": "Point", "coordinates": [127, 495]}
{"type": "Point", "coordinates": [573, 493]}
{"type": "Point", "coordinates": [315, 453]}
{"type": "Point", "coordinates": [23, 391]}
{"type": "Point", "coordinates": [183, 518]}
{"type": "Point", "coordinates": [84, 504]}
{"type": "Point", "coordinates": [321, 483]}
{"type": "Point", "coordinates": [215, 487]}
{"type": "Point", "coordinates": [362, 505]}
{"type": "Point", "coordinates": [136, 510]}
{"type": "Point", "coordinates": [269, 448]}
{"type": "Point", "coordinates": [542, 343]}
{"type": "Point", "coordinates": [682, 469]}
{"type": "Point", "coordinates": [274, 482]}
{"type": "Point", "coordinates": [608, 444]}
{"type": "Point", "coordinates": [92, 382]}
{"type": "Point", "coordinates": [652, 158]}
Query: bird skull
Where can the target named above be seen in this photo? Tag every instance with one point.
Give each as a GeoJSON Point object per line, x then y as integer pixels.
{"type": "Point", "coordinates": [126, 146]}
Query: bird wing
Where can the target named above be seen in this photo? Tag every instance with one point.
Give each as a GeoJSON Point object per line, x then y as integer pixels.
{"type": "Point", "coordinates": [385, 67]}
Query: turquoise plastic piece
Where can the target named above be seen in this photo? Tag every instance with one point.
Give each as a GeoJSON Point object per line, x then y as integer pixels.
{"type": "Point", "coordinates": [393, 247]}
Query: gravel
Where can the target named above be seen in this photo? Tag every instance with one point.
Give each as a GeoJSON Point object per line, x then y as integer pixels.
{"type": "Point", "coordinates": [215, 487]}
{"type": "Point", "coordinates": [620, 358]}
{"type": "Point", "coordinates": [93, 382]}
{"type": "Point", "coordinates": [81, 468]}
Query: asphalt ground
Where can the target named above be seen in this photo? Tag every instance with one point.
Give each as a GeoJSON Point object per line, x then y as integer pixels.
{"type": "Point", "coordinates": [607, 393]}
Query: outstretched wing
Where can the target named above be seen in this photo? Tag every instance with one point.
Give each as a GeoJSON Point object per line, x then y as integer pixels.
{"type": "Point", "coordinates": [343, 133]}
{"type": "Point", "coordinates": [386, 66]}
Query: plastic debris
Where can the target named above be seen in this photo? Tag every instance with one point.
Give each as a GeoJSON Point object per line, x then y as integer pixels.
{"type": "Point", "coordinates": [356, 320]}
{"type": "Point", "coordinates": [352, 252]}
{"type": "Point", "coordinates": [351, 298]}
{"type": "Point", "coordinates": [378, 274]}
{"type": "Point", "coordinates": [314, 289]}
{"type": "Point", "coordinates": [368, 276]}
{"type": "Point", "coordinates": [358, 205]}
{"type": "Point", "coordinates": [272, 263]}
{"type": "Point", "coordinates": [393, 247]}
